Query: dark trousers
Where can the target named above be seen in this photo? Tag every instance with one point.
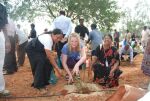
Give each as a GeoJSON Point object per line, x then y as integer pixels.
{"type": "Point", "coordinates": [100, 71]}
{"type": "Point", "coordinates": [41, 69]}
{"type": "Point", "coordinates": [21, 53]}
{"type": "Point", "coordinates": [10, 64]}
{"type": "Point", "coordinates": [58, 48]}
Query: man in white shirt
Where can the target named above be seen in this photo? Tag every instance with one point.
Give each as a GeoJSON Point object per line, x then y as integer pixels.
{"type": "Point", "coordinates": [145, 36]}
{"type": "Point", "coordinates": [22, 42]}
{"type": "Point", "coordinates": [127, 53]}
{"type": "Point", "coordinates": [128, 36]}
{"type": "Point", "coordinates": [39, 51]}
{"type": "Point", "coordinates": [4, 43]}
{"type": "Point", "coordinates": [64, 23]}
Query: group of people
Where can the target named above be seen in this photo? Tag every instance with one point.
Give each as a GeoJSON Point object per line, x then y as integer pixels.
{"type": "Point", "coordinates": [71, 51]}
{"type": "Point", "coordinates": [130, 93]}
{"type": "Point", "coordinates": [60, 48]}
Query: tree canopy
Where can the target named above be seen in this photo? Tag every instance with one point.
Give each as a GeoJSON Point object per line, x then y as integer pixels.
{"type": "Point", "coordinates": [103, 12]}
{"type": "Point", "coordinates": [135, 19]}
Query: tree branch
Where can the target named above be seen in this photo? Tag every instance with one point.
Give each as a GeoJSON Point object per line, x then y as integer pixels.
{"type": "Point", "coordinates": [48, 7]}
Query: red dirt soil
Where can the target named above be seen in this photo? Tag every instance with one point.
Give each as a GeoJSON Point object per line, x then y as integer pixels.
{"type": "Point", "coordinates": [19, 85]}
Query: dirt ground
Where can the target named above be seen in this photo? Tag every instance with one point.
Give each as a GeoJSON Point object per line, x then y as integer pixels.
{"type": "Point", "coordinates": [19, 85]}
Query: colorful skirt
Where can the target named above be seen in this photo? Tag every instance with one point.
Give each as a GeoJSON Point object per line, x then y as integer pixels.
{"type": "Point", "coordinates": [146, 60]}
{"type": "Point", "coordinates": [146, 64]}
{"type": "Point", "coordinates": [101, 76]}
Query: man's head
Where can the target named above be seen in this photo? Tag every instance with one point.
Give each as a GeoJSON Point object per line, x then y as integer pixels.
{"type": "Point", "coordinates": [57, 35]}
{"type": "Point", "coordinates": [127, 31]}
{"type": "Point", "coordinates": [62, 12]}
{"type": "Point", "coordinates": [32, 25]}
{"type": "Point", "coordinates": [145, 27]}
{"type": "Point", "coordinates": [93, 26]}
{"type": "Point", "coordinates": [18, 26]}
{"type": "Point", "coordinates": [126, 47]}
{"type": "Point", "coordinates": [81, 21]}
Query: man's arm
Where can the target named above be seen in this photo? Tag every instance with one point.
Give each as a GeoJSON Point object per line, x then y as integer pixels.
{"type": "Point", "coordinates": [69, 29]}
{"type": "Point", "coordinates": [77, 29]}
{"type": "Point", "coordinates": [90, 34]}
{"type": "Point", "coordinates": [87, 31]}
{"type": "Point", "coordinates": [51, 56]}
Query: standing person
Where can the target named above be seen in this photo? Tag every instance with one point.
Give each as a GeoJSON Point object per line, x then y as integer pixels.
{"type": "Point", "coordinates": [116, 38]}
{"type": "Point", "coordinates": [128, 36]}
{"type": "Point", "coordinates": [39, 51]}
{"type": "Point", "coordinates": [64, 23]}
{"type": "Point", "coordinates": [133, 40]}
{"type": "Point", "coordinates": [10, 63]}
{"type": "Point", "coordinates": [32, 32]}
{"type": "Point", "coordinates": [145, 36]}
{"type": "Point", "coordinates": [133, 37]}
{"type": "Point", "coordinates": [81, 29]}
{"type": "Point", "coordinates": [105, 63]}
{"type": "Point", "coordinates": [22, 42]}
{"type": "Point", "coordinates": [4, 41]}
{"type": "Point", "coordinates": [146, 59]}
{"type": "Point", "coordinates": [95, 36]}
{"type": "Point", "coordinates": [73, 56]}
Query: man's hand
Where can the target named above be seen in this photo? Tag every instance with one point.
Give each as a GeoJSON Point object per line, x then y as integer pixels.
{"type": "Point", "coordinates": [64, 40]}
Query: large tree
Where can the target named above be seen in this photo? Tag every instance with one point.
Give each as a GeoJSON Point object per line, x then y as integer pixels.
{"type": "Point", "coordinates": [135, 19]}
{"type": "Point", "coordinates": [103, 12]}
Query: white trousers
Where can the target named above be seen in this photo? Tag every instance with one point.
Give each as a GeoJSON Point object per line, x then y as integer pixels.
{"type": "Point", "coordinates": [2, 56]}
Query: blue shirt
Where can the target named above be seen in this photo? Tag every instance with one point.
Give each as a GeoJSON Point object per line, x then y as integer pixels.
{"type": "Point", "coordinates": [96, 38]}
{"type": "Point", "coordinates": [75, 54]}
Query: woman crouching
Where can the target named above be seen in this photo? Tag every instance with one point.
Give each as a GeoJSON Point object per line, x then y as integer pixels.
{"type": "Point", "coordinates": [105, 63]}
{"type": "Point", "coordinates": [73, 56]}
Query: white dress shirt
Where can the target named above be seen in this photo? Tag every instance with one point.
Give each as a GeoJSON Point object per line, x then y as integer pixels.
{"type": "Point", "coordinates": [22, 36]}
{"type": "Point", "coordinates": [64, 23]}
{"type": "Point", "coordinates": [46, 40]}
{"type": "Point", "coordinates": [10, 28]}
{"type": "Point", "coordinates": [145, 37]}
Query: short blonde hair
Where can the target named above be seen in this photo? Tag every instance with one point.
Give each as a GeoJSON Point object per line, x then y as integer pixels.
{"type": "Point", "coordinates": [69, 41]}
